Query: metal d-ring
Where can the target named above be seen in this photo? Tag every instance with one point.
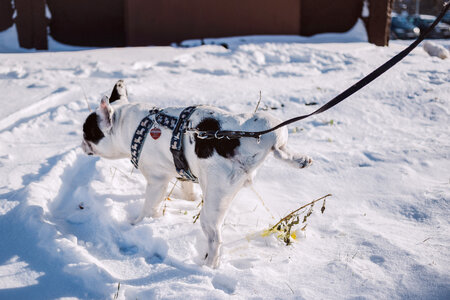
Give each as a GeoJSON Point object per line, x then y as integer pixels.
{"type": "Point", "coordinates": [201, 135]}
{"type": "Point", "coordinates": [215, 135]}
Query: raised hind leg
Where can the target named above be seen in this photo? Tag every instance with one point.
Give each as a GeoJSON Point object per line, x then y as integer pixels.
{"type": "Point", "coordinates": [296, 160]}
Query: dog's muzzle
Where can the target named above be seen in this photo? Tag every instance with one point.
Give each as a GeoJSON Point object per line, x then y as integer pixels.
{"type": "Point", "coordinates": [87, 148]}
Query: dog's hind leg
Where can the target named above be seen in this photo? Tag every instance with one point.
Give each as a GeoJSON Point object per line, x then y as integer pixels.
{"type": "Point", "coordinates": [296, 160]}
{"type": "Point", "coordinates": [217, 199]}
{"type": "Point", "coordinates": [154, 195]}
{"type": "Point", "coordinates": [211, 218]}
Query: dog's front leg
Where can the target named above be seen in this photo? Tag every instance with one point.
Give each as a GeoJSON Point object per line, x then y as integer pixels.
{"type": "Point", "coordinates": [154, 195]}
{"type": "Point", "coordinates": [188, 191]}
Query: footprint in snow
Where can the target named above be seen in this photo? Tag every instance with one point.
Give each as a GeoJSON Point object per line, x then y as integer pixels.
{"type": "Point", "coordinates": [364, 165]}
{"type": "Point", "coordinates": [224, 283]}
{"type": "Point", "coordinates": [241, 264]}
{"type": "Point", "coordinates": [373, 156]}
{"type": "Point", "coordinates": [128, 249]}
{"type": "Point", "coordinates": [156, 258]}
{"type": "Point", "coordinates": [376, 259]}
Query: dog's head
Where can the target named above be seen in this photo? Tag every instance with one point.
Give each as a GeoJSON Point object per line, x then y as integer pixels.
{"type": "Point", "coordinates": [98, 128]}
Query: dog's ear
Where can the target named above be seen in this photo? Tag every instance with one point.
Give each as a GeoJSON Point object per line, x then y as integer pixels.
{"type": "Point", "coordinates": [105, 114]}
{"type": "Point", "coordinates": [119, 92]}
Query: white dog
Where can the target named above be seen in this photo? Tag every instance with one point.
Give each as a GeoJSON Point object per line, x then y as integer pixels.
{"type": "Point", "coordinates": [222, 166]}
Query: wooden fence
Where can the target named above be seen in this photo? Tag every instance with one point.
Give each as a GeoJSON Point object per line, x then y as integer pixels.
{"type": "Point", "coordinates": [112, 23]}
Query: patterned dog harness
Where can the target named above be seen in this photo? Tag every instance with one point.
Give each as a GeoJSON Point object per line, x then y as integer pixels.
{"type": "Point", "coordinates": [178, 127]}
{"type": "Point", "coordinates": [140, 135]}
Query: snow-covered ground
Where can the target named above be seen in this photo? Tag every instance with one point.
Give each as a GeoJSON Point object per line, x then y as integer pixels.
{"type": "Point", "coordinates": [384, 154]}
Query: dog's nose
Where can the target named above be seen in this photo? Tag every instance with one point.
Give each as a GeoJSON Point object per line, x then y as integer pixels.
{"type": "Point", "coordinates": [86, 148]}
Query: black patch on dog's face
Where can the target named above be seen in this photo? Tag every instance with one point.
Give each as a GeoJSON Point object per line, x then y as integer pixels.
{"type": "Point", "coordinates": [205, 148]}
{"type": "Point", "coordinates": [91, 131]}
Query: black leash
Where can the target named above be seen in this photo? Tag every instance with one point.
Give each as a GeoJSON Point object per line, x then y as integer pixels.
{"type": "Point", "coordinates": [342, 96]}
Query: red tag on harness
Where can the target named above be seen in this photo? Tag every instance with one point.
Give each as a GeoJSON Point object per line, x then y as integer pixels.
{"type": "Point", "coordinates": [155, 133]}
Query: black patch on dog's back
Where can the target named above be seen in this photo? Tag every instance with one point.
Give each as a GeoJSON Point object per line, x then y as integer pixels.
{"type": "Point", "coordinates": [205, 148]}
{"type": "Point", "coordinates": [91, 130]}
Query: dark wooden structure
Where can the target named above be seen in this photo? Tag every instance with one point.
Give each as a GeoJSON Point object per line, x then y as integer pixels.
{"type": "Point", "coordinates": [320, 16]}
{"type": "Point", "coordinates": [161, 22]}
{"type": "Point", "coordinates": [6, 13]}
{"type": "Point", "coordinates": [378, 23]}
{"type": "Point", "coordinates": [98, 23]}
{"type": "Point", "coordinates": [167, 21]}
{"type": "Point", "coordinates": [31, 24]}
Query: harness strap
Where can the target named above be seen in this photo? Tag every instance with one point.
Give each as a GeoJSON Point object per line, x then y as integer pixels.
{"type": "Point", "coordinates": [178, 127]}
{"type": "Point", "coordinates": [176, 145]}
{"type": "Point", "coordinates": [166, 120]}
{"type": "Point", "coordinates": [139, 137]}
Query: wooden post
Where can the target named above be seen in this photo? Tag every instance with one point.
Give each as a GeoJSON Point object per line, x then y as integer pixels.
{"type": "Point", "coordinates": [6, 13]}
{"type": "Point", "coordinates": [379, 21]}
{"type": "Point", "coordinates": [31, 24]}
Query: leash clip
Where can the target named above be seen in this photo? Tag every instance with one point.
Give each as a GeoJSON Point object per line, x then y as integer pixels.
{"type": "Point", "coordinates": [217, 137]}
{"type": "Point", "coordinates": [201, 134]}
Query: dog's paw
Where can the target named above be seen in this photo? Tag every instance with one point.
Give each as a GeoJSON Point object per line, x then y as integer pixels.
{"type": "Point", "coordinates": [303, 161]}
{"type": "Point", "coordinates": [212, 261]}
{"type": "Point", "coordinates": [156, 214]}
{"type": "Point", "coordinates": [309, 162]}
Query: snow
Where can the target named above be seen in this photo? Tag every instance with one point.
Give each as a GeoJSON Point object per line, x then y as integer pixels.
{"type": "Point", "coordinates": [383, 154]}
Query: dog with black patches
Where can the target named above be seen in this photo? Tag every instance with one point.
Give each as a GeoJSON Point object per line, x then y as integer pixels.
{"type": "Point", "coordinates": [222, 166]}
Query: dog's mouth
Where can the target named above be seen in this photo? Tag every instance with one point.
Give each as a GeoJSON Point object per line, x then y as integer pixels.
{"type": "Point", "coordinates": [87, 148]}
